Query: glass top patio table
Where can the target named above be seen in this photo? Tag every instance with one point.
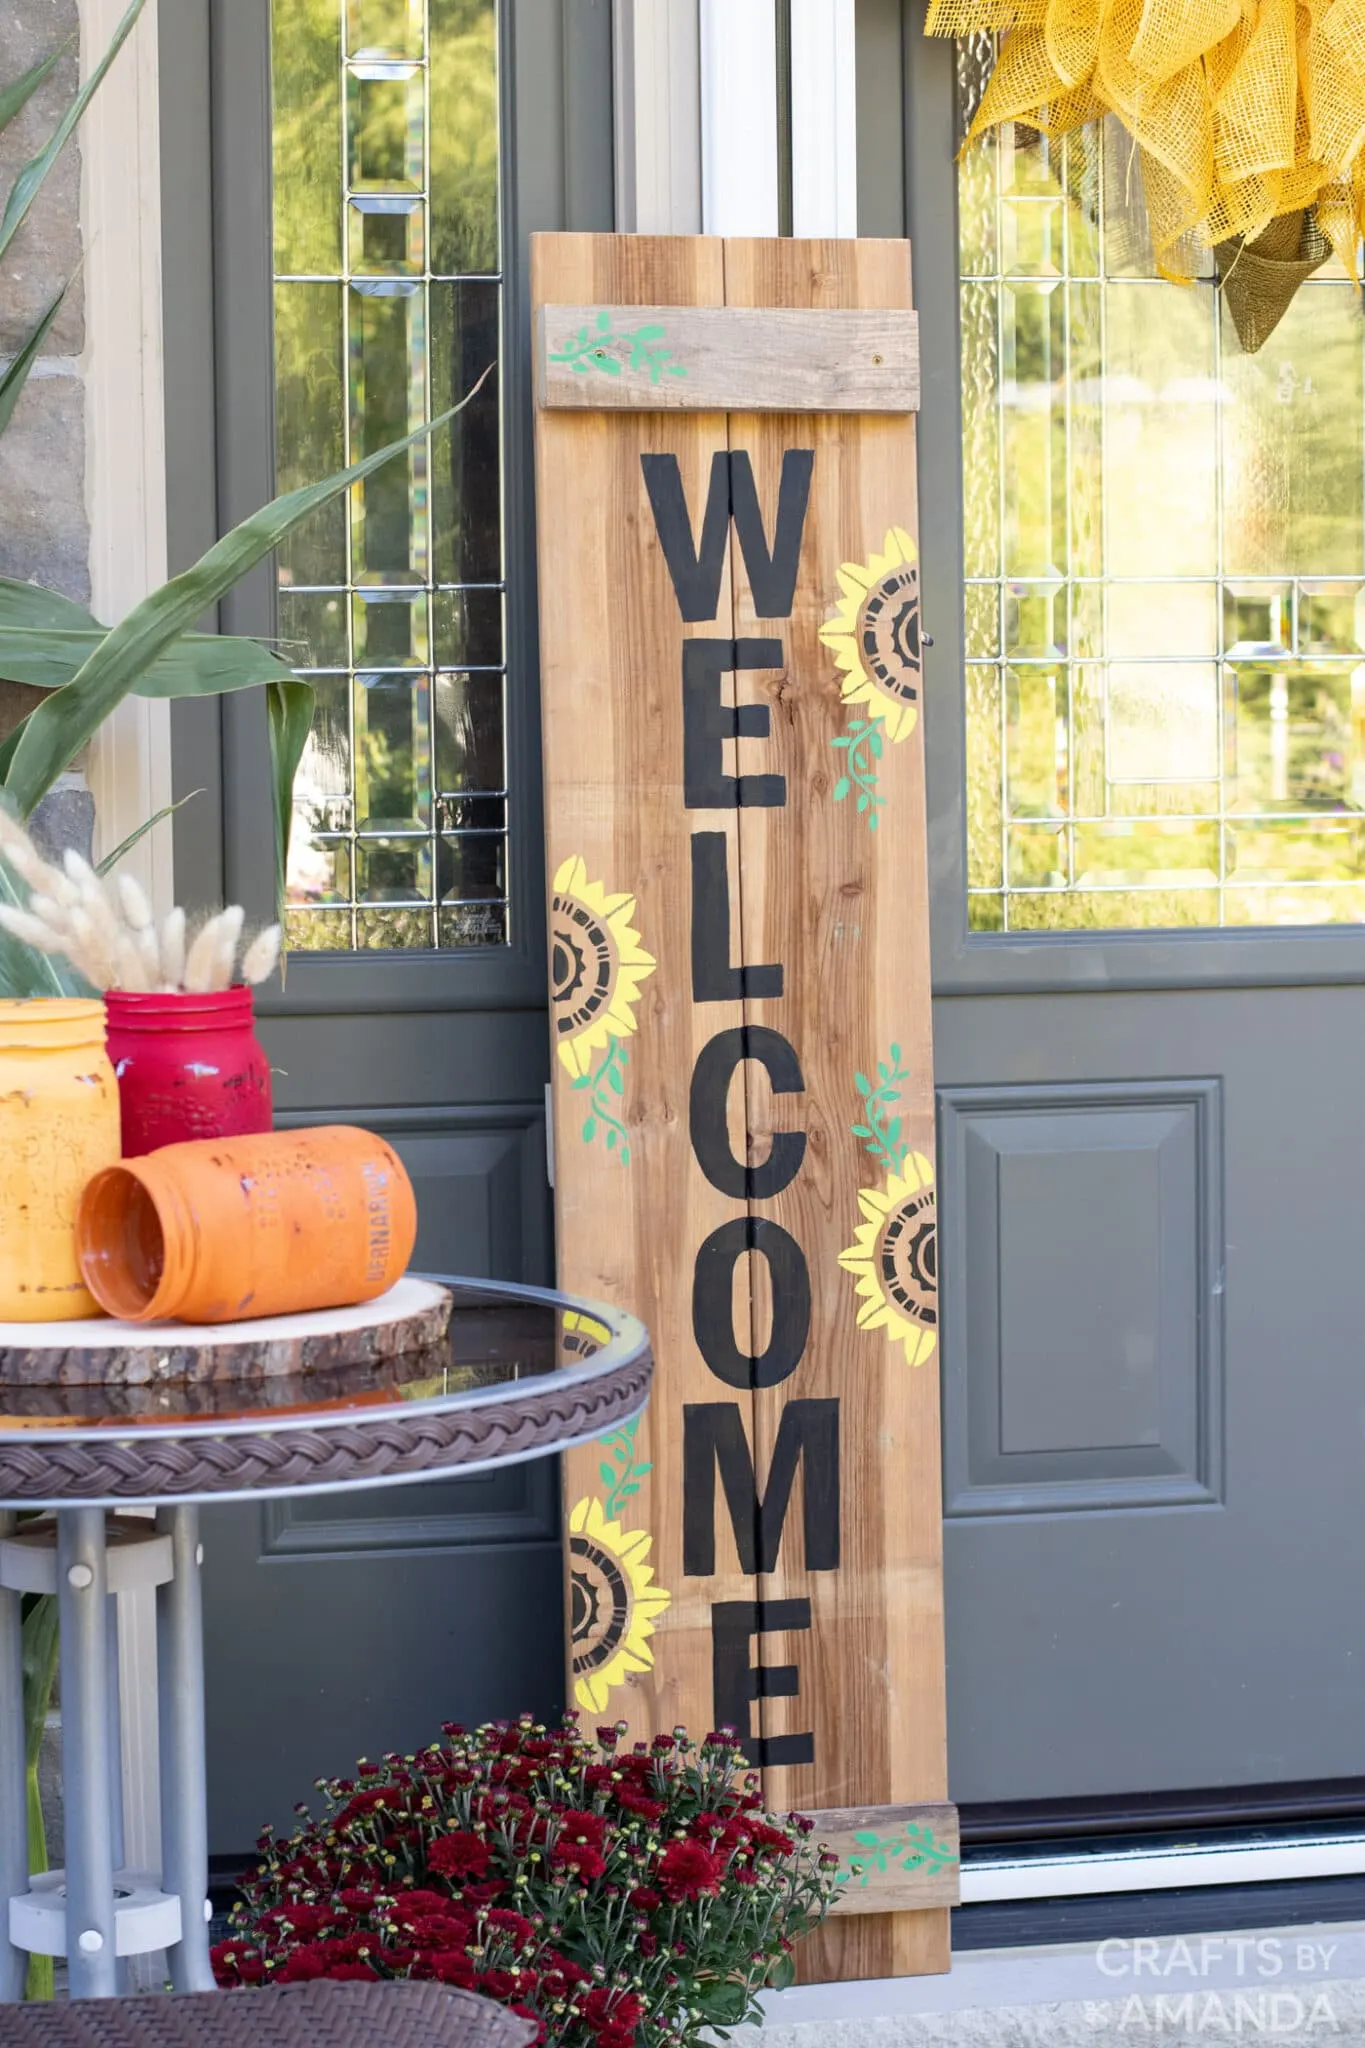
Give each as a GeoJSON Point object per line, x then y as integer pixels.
{"type": "Point", "coordinates": [522, 1372]}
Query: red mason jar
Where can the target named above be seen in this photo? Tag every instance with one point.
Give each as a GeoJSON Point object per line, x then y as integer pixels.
{"type": "Point", "coordinates": [188, 1066]}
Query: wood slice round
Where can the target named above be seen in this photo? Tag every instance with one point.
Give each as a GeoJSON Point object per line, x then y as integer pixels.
{"type": "Point", "coordinates": [413, 1316]}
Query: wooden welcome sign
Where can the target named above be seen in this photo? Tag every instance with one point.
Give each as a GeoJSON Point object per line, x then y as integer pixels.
{"type": "Point", "coordinates": [731, 669]}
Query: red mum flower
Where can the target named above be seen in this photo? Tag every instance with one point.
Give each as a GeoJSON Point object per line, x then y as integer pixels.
{"type": "Point", "coordinates": [632, 1800]}
{"type": "Point", "coordinates": [303, 1966]}
{"type": "Point", "coordinates": [351, 1973]}
{"type": "Point", "coordinates": [578, 1826]}
{"type": "Point", "coordinates": [508, 1922]}
{"type": "Point", "coordinates": [771, 1840]}
{"type": "Point", "coordinates": [458, 1855]}
{"type": "Point", "coordinates": [646, 1898]}
{"type": "Point", "coordinates": [527, 2014]}
{"type": "Point", "coordinates": [687, 1871]}
{"type": "Point", "coordinates": [452, 1968]}
{"type": "Point", "coordinates": [583, 1857]}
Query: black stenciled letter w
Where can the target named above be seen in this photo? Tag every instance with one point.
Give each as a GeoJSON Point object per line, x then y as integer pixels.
{"type": "Point", "coordinates": [696, 572]}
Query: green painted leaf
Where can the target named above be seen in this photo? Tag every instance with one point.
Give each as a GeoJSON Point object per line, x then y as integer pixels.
{"type": "Point", "coordinates": [893, 1130]}
{"type": "Point", "coordinates": [603, 321]}
{"type": "Point", "coordinates": [862, 1084]}
{"type": "Point", "coordinates": [674, 370]}
{"type": "Point", "coordinates": [652, 332]}
{"type": "Point", "coordinates": [617, 1080]}
{"type": "Point", "coordinates": [66, 720]}
{"type": "Point", "coordinates": [872, 822]}
{"type": "Point", "coordinates": [589, 1129]}
{"type": "Point", "coordinates": [896, 1055]}
{"type": "Point", "coordinates": [578, 366]}
{"type": "Point", "coordinates": [14, 378]}
{"type": "Point", "coordinates": [632, 1486]}
{"type": "Point", "coordinates": [625, 1161]}
{"type": "Point", "coordinates": [609, 364]}
{"type": "Point", "coordinates": [607, 1474]}
{"type": "Point", "coordinates": [841, 789]}
{"type": "Point", "coordinates": [874, 740]}
{"type": "Point", "coordinates": [29, 182]}
{"type": "Point", "coordinates": [862, 803]}
{"type": "Point", "coordinates": [611, 1140]}
{"type": "Point", "coordinates": [861, 1131]}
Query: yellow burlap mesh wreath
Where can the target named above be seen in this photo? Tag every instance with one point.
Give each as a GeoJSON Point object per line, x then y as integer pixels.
{"type": "Point", "coordinates": [1249, 116]}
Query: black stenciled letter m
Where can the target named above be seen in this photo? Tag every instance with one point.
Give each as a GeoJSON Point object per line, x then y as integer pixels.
{"type": "Point", "coordinates": [696, 572]}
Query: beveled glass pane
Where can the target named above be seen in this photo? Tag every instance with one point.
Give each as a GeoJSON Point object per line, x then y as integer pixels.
{"type": "Point", "coordinates": [393, 751]}
{"type": "Point", "coordinates": [385, 28]}
{"type": "Point", "coordinates": [1161, 430]}
{"type": "Point", "coordinates": [390, 628]}
{"type": "Point", "coordinates": [471, 813]}
{"type": "Point", "coordinates": [312, 628]}
{"type": "Point", "coordinates": [1159, 853]}
{"type": "Point", "coordinates": [976, 172]}
{"type": "Point", "coordinates": [1085, 429]}
{"type": "Point", "coordinates": [323, 782]}
{"type": "Point", "coordinates": [980, 431]}
{"type": "Point", "coordinates": [1163, 722]}
{"type": "Point", "coordinates": [1295, 904]}
{"type": "Point", "coordinates": [464, 137]}
{"type": "Point", "coordinates": [1033, 418]}
{"type": "Point", "coordinates": [1331, 618]}
{"type": "Point", "coordinates": [1081, 180]}
{"type": "Point", "coordinates": [467, 625]}
{"type": "Point", "coordinates": [1292, 469]}
{"type": "Point", "coordinates": [1037, 857]}
{"type": "Point", "coordinates": [305, 82]}
{"type": "Point", "coordinates": [393, 870]}
{"type": "Point", "coordinates": [473, 924]}
{"type": "Point", "coordinates": [319, 869]}
{"type": "Point", "coordinates": [386, 125]}
{"type": "Point", "coordinates": [1035, 619]}
{"type": "Point", "coordinates": [469, 732]}
{"type": "Point", "coordinates": [1031, 231]}
{"type": "Point", "coordinates": [985, 913]}
{"type": "Point", "coordinates": [465, 456]}
{"type": "Point", "coordinates": [1036, 708]}
{"type": "Point", "coordinates": [470, 866]}
{"type": "Point", "coordinates": [389, 535]}
{"type": "Point", "coordinates": [1297, 733]}
{"type": "Point", "coordinates": [385, 237]}
{"type": "Point", "coordinates": [310, 413]}
{"type": "Point", "coordinates": [1258, 618]}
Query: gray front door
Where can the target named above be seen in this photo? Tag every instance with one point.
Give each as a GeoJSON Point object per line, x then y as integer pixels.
{"type": "Point", "coordinates": [1145, 577]}
{"type": "Point", "coordinates": [351, 256]}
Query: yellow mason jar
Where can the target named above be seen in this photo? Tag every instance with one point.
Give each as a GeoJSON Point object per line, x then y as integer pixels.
{"type": "Point", "coordinates": [59, 1125]}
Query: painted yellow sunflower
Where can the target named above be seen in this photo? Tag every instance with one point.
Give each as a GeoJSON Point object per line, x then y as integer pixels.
{"type": "Point", "coordinates": [596, 966]}
{"type": "Point", "coordinates": [875, 634]}
{"type": "Point", "coordinates": [615, 1603]}
{"type": "Point", "coordinates": [895, 1258]}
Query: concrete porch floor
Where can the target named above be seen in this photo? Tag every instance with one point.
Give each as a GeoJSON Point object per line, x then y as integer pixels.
{"type": "Point", "coordinates": [1289, 1985]}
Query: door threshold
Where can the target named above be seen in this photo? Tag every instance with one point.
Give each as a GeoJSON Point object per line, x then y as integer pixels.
{"type": "Point", "coordinates": [1160, 1863]}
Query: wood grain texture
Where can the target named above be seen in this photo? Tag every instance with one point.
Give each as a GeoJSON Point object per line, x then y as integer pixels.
{"type": "Point", "coordinates": [895, 1859]}
{"type": "Point", "coordinates": [847, 907]}
{"type": "Point", "coordinates": [698, 359]}
{"type": "Point", "coordinates": [611, 693]}
{"type": "Point", "coordinates": [834, 1607]}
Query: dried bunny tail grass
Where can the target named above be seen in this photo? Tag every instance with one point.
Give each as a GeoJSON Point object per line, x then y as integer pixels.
{"type": "Point", "coordinates": [209, 964]}
{"type": "Point", "coordinates": [171, 966]}
{"type": "Point", "coordinates": [24, 857]}
{"type": "Point", "coordinates": [137, 911]}
{"type": "Point", "coordinates": [31, 931]}
{"type": "Point", "coordinates": [262, 956]}
{"type": "Point", "coordinates": [86, 950]}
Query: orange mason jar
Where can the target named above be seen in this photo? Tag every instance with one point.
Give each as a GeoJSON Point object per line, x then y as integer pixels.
{"type": "Point", "coordinates": [223, 1229]}
{"type": "Point", "coordinates": [59, 1124]}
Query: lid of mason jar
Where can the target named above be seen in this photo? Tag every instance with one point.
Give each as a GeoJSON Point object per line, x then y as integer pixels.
{"type": "Point", "coordinates": [179, 1009]}
{"type": "Point", "coordinates": [40, 1022]}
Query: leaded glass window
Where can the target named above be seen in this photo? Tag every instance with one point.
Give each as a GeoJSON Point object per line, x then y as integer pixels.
{"type": "Point", "coordinates": [387, 257]}
{"type": "Point", "coordinates": [1165, 562]}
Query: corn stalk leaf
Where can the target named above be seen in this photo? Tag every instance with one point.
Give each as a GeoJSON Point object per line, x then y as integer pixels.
{"type": "Point", "coordinates": [27, 185]}
{"type": "Point", "coordinates": [23, 970]}
{"type": "Point", "coordinates": [40, 1651]}
{"type": "Point", "coordinates": [290, 709]}
{"type": "Point", "coordinates": [198, 665]}
{"type": "Point", "coordinates": [16, 96]}
{"type": "Point", "coordinates": [14, 377]}
{"type": "Point", "coordinates": [56, 731]}
{"type": "Point", "coordinates": [111, 860]}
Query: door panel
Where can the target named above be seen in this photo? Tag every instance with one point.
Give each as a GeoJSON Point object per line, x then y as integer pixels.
{"type": "Point", "coordinates": [1104, 1646]}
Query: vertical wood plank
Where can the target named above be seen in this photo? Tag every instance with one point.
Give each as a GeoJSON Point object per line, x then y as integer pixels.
{"type": "Point", "coordinates": [845, 907]}
{"type": "Point", "coordinates": [611, 651]}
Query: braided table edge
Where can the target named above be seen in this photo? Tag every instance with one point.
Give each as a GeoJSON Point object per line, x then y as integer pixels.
{"type": "Point", "coordinates": [353, 1453]}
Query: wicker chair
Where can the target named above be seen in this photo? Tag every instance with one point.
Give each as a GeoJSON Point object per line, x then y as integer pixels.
{"type": "Point", "coordinates": [318, 2015]}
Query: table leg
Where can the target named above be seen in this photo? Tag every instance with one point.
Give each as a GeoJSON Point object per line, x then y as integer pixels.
{"type": "Point", "coordinates": [82, 1599]}
{"type": "Point", "coordinates": [184, 1797]}
{"type": "Point", "coordinates": [13, 1785]}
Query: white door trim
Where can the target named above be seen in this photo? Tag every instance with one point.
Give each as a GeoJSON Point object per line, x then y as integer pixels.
{"type": "Point", "coordinates": [657, 91]}
{"type": "Point", "coordinates": [824, 118]}
{"type": "Point", "coordinates": [739, 116]}
{"type": "Point", "coordinates": [119, 140]}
